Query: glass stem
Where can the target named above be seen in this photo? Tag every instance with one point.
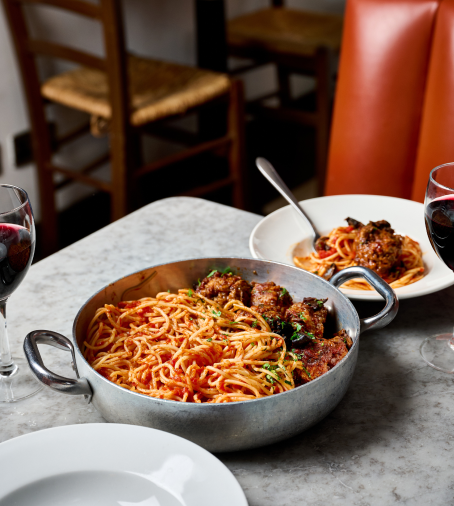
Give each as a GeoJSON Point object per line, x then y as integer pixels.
{"type": "Point", "coordinates": [7, 366]}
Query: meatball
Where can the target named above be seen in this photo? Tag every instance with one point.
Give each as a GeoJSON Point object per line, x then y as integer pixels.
{"type": "Point", "coordinates": [270, 297]}
{"type": "Point", "coordinates": [342, 336]}
{"type": "Point", "coordinates": [378, 247]}
{"type": "Point", "coordinates": [241, 290]}
{"type": "Point", "coordinates": [225, 287]}
{"type": "Point", "coordinates": [271, 301]}
{"type": "Point", "coordinates": [318, 357]}
{"type": "Point", "coordinates": [308, 317]}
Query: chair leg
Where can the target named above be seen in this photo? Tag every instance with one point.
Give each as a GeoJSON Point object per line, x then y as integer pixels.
{"type": "Point", "coordinates": [136, 198]}
{"type": "Point", "coordinates": [235, 126]}
{"type": "Point", "coordinates": [285, 95]}
{"type": "Point", "coordinates": [323, 73]}
{"type": "Point", "coordinates": [42, 152]}
{"type": "Point", "coordinates": [122, 164]}
{"type": "Point", "coordinates": [49, 226]}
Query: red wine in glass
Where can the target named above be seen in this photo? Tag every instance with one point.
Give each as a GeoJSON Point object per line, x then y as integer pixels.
{"type": "Point", "coordinates": [440, 228]}
{"type": "Point", "coordinates": [17, 246]}
{"type": "Point", "coordinates": [16, 254]}
{"type": "Point", "coordinates": [438, 351]}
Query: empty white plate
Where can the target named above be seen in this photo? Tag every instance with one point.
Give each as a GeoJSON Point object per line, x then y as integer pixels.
{"type": "Point", "coordinates": [112, 465]}
{"type": "Point", "coordinates": [281, 234]}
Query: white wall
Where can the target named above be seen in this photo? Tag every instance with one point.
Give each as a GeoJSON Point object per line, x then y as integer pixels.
{"type": "Point", "coordinates": [157, 28]}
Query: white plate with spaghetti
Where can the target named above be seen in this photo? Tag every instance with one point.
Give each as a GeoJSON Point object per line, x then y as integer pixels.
{"type": "Point", "coordinates": [281, 236]}
{"type": "Point", "coordinates": [112, 464]}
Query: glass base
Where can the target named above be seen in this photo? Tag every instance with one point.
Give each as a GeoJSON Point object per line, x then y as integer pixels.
{"type": "Point", "coordinates": [19, 384]}
{"type": "Point", "coordinates": [438, 352]}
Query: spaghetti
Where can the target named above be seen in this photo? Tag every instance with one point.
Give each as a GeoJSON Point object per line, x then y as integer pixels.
{"type": "Point", "coordinates": [341, 251]}
{"type": "Point", "coordinates": [186, 347]}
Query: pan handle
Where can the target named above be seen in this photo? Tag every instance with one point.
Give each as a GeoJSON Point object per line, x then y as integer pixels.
{"type": "Point", "coordinates": [79, 386]}
{"type": "Point", "coordinates": [387, 314]}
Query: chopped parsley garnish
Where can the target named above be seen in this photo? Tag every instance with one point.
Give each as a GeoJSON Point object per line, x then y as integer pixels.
{"type": "Point", "coordinates": [302, 316]}
{"type": "Point", "coordinates": [288, 382]}
{"type": "Point", "coordinates": [199, 282]}
{"type": "Point", "coordinates": [310, 335]}
{"type": "Point", "coordinates": [209, 339]}
{"type": "Point", "coordinates": [298, 327]}
{"type": "Point", "coordinates": [168, 291]}
{"type": "Point", "coordinates": [316, 272]}
{"type": "Point", "coordinates": [190, 292]}
{"type": "Point", "coordinates": [298, 357]}
{"type": "Point", "coordinates": [320, 302]}
{"type": "Point", "coordinates": [283, 292]}
{"type": "Point", "coordinates": [306, 371]}
{"type": "Point", "coordinates": [216, 313]}
{"type": "Point", "coordinates": [272, 369]}
{"type": "Point", "coordinates": [254, 323]}
{"type": "Point", "coordinates": [211, 273]}
{"type": "Point", "coordinates": [227, 270]}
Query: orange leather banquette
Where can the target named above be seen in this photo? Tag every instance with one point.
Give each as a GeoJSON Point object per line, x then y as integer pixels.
{"type": "Point", "coordinates": [394, 109]}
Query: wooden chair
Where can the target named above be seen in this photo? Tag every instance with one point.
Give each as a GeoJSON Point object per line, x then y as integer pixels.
{"type": "Point", "coordinates": [127, 96]}
{"type": "Point", "coordinates": [297, 42]}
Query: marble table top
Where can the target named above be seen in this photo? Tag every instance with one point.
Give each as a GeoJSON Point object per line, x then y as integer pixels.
{"type": "Point", "coordinates": [389, 440]}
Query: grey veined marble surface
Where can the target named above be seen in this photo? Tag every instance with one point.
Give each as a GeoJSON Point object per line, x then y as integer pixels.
{"type": "Point", "coordinates": [390, 440]}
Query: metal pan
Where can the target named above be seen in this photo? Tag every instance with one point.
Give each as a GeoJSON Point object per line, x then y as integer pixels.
{"type": "Point", "coordinates": [216, 427]}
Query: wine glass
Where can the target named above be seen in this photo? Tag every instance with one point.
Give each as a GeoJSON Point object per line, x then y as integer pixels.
{"type": "Point", "coordinates": [438, 351]}
{"type": "Point", "coordinates": [17, 246]}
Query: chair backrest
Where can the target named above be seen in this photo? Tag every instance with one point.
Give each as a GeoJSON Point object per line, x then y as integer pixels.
{"type": "Point", "coordinates": [108, 13]}
{"type": "Point", "coordinates": [436, 142]}
{"type": "Point", "coordinates": [380, 96]}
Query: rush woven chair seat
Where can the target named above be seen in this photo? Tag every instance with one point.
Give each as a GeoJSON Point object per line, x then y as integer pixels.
{"type": "Point", "coordinates": [157, 89]}
{"type": "Point", "coordinates": [125, 96]}
{"type": "Point", "coordinates": [289, 31]}
{"type": "Point", "coordinates": [298, 42]}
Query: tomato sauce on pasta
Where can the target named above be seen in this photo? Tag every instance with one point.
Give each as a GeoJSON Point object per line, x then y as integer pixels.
{"type": "Point", "coordinates": [340, 250]}
{"type": "Point", "coordinates": [186, 347]}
